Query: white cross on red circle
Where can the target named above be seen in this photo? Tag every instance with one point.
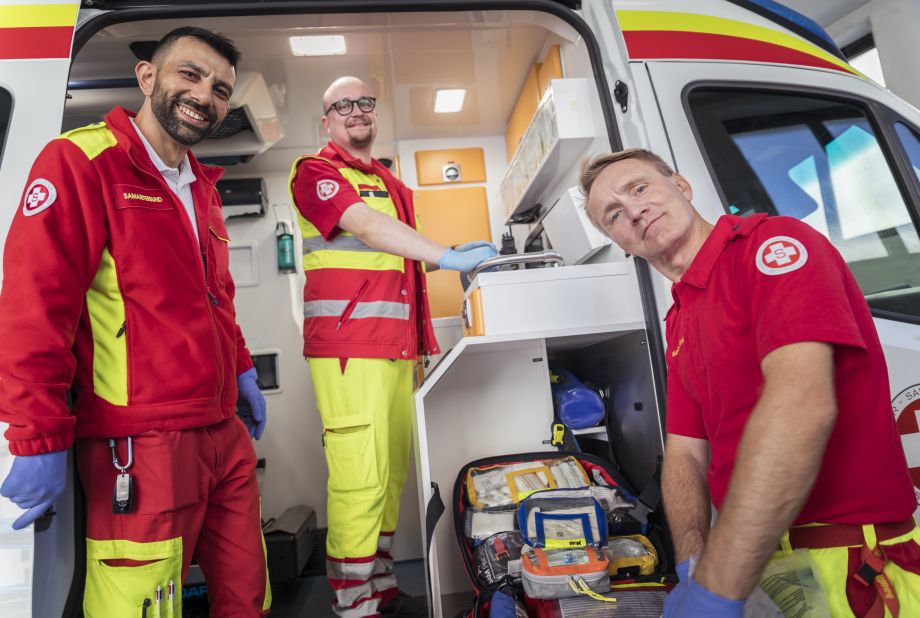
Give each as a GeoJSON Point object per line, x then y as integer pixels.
{"type": "Point", "coordinates": [39, 196]}
{"type": "Point", "coordinates": [780, 254]}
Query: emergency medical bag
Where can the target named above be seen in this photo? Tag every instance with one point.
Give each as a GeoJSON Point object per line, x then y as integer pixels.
{"type": "Point", "coordinates": [549, 520]}
{"type": "Point", "coordinates": [505, 484]}
{"type": "Point", "coordinates": [598, 477]}
{"type": "Point", "coordinates": [562, 573]}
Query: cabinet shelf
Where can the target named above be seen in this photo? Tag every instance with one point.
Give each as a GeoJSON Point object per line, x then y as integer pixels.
{"type": "Point", "coordinates": [561, 130]}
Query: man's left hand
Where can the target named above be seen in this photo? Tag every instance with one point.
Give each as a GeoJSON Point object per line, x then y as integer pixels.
{"type": "Point", "coordinates": [691, 600]}
{"type": "Point", "coordinates": [251, 405]}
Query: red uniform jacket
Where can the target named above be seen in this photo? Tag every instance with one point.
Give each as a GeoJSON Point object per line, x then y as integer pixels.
{"type": "Point", "coordinates": [106, 289]}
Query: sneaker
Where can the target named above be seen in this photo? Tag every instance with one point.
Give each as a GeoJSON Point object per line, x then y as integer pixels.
{"type": "Point", "coordinates": [405, 606]}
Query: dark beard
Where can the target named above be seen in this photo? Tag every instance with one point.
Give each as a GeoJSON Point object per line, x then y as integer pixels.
{"type": "Point", "coordinates": [164, 109]}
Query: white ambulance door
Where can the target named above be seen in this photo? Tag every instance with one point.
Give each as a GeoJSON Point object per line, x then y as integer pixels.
{"type": "Point", "coordinates": [35, 46]}
{"type": "Point", "coordinates": [832, 149]}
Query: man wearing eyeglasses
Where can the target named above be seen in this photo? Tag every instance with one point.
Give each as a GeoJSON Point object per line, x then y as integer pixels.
{"type": "Point", "coordinates": [366, 320]}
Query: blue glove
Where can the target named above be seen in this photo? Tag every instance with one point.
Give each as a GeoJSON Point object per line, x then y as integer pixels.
{"type": "Point", "coordinates": [467, 259]}
{"type": "Point", "coordinates": [472, 245]}
{"type": "Point", "coordinates": [690, 600]}
{"type": "Point", "coordinates": [251, 405]}
{"type": "Point", "coordinates": [34, 482]}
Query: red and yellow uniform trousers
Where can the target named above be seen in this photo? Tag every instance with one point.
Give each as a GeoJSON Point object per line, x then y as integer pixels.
{"type": "Point", "coordinates": [195, 497]}
{"type": "Point", "coordinates": [366, 410]}
{"type": "Point", "coordinates": [870, 571]}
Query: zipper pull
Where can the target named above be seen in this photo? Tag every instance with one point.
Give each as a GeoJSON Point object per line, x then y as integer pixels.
{"type": "Point", "coordinates": [338, 326]}
{"type": "Point", "coordinates": [121, 331]}
{"type": "Point", "coordinates": [144, 607]}
{"type": "Point", "coordinates": [213, 298]}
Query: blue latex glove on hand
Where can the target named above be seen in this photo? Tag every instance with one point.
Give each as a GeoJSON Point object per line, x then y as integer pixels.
{"type": "Point", "coordinates": [465, 260]}
{"type": "Point", "coordinates": [691, 600]}
{"type": "Point", "coordinates": [472, 245]}
{"type": "Point", "coordinates": [251, 404]}
{"type": "Point", "coordinates": [34, 482]}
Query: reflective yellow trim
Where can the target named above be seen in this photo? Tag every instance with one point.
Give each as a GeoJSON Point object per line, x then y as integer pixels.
{"type": "Point", "coordinates": [119, 592]}
{"type": "Point", "coordinates": [358, 260]}
{"type": "Point", "coordinates": [267, 601]}
{"type": "Point", "coordinates": [38, 15]}
{"type": "Point", "coordinates": [110, 351]}
{"type": "Point", "coordinates": [92, 139]}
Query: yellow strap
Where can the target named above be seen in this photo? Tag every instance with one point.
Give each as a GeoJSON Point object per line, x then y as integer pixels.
{"type": "Point", "coordinates": [579, 586]}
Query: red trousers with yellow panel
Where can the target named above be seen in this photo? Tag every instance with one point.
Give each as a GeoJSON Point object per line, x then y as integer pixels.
{"type": "Point", "coordinates": [195, 497]}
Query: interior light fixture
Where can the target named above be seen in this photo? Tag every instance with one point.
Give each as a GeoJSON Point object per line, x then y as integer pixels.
{"type": "Point", "coordinates": [322, 45]}
{"type": "Point", "coordinates": [449, 100]}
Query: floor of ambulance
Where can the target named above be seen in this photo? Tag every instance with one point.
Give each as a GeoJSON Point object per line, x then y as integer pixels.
{"type": "Point", "coordinates": [310, 597]}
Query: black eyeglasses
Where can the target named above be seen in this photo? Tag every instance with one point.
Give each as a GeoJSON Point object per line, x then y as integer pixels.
{"type": "Point", "coordinates": [344, 106]}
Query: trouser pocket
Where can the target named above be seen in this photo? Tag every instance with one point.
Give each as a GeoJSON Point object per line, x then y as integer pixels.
{"type": "Point", "coordinates": [122, 578]}
{"type": "Point", "coordinates": [351, 454]}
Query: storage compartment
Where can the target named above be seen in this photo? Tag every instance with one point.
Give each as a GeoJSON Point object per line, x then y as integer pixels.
{"type": "Point", "coordinates": [538, 300]}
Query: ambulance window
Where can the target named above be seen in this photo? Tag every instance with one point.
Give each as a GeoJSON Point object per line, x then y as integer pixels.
{"type": "Point", "coordinates": [819, 160]}
{"type": "Point", "coordinates": [6, 109]}
{"type": "Point", "coordinates": [911, 144]}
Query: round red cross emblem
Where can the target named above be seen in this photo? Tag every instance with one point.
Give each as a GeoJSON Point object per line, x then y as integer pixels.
{"type": "Point", "coordinates": [39, 196]}
{"type": "Point", "coordinates": [781, 254]}
{"type": "Point", "coordinates": [906, 405]}
{"type": "Point", "coordinates": [326, 189]}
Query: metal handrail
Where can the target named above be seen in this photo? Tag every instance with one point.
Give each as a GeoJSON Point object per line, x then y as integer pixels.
{"type": "Point", "coordinates": [544, 257]}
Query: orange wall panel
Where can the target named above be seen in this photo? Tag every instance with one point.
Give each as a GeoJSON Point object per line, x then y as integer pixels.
{"type": "Point", "coordinates": [550, 69]}
{"type": "Point", "coordinates": [430, 163]}
{"type": "Point", "coordinates": [451, 216]}
{"type": "Point", "coordinates": [523, 111]}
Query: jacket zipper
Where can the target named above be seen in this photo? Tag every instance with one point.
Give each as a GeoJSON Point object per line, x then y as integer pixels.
{"type": "Point", "coordinates": [350, 307]}
{"type": "Point", "coordinates": [202, 251]}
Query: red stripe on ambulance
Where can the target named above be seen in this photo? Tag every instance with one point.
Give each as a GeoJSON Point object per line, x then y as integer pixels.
{"type": "Point", "coordinates": [42, 42]}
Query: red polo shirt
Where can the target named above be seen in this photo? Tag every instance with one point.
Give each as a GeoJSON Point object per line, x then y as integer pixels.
{"type": "Point", "coordinates": [758, 284]}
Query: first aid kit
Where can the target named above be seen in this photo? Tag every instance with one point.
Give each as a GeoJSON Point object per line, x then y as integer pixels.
{"type": "Point", "coordinates": [561, 573]}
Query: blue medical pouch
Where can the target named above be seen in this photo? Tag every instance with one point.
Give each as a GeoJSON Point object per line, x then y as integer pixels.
{"type": "Point", "coordinates": [576, 405]}
{"type": "Point", "coordinates": [555, 519]}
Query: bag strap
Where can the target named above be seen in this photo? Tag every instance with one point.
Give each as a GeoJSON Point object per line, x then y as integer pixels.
{"type": "Point", "coordinates": [578, 586]}
{"type": "Point", "coordinates": [433, 511]}
{"type": "Point", "coordinates": [650, 497]}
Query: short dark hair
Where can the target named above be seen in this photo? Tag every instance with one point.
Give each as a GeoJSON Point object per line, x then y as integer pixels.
{"type": "Point", "coordinates": [218, 42]}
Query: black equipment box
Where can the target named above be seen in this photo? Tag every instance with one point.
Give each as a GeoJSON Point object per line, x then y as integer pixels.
{"type": "Point", "coordinates": [290, 540]}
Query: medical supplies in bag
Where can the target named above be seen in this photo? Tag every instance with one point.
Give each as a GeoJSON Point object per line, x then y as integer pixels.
{"type": "Point", "coordinates": [575, 404]}
{"type": "Point", "coordinates": [482, 523]}
{"type": "Point", "coordinates": [506, 484]}
{"type": "Point", "coordinates": [499, 558]}
{"type": "Point", "coordinates": [631, 555]}
{"type": "Point", "coordinates": [547, 519]}
{"type": "Point", "coordinates": [561, 573]}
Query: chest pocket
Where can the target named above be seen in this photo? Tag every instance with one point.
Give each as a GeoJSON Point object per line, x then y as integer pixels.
{"type": "Point", "coordinates": [129, 196]}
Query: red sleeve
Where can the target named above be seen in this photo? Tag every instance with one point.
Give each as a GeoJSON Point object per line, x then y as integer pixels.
{"type": "Point", "coordinates": [682, 414]}
{"type": "Point", "coordinates": [52, 253]}
{"type": "Point", "coordinates": [322, 195]}
{"type": "Point", "coordinates": [799, 287]}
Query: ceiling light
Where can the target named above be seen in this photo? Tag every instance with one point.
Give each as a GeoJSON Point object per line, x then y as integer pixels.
{"type": "Point", "coordinates": [449, 101]}
{"type": "Point", "coordinates": [328, 45]}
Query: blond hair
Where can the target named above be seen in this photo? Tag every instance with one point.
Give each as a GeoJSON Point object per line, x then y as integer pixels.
{"type": "Point", "coordinates": [592, 167]}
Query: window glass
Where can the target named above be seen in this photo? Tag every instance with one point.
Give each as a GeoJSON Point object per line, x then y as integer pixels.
{"type": "Point", "coordinates": [6, 110]}
{"type": "Point", "coordinates": [819, 160]}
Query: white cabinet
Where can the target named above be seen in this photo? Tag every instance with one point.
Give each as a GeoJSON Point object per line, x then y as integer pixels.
{"type": "Point", "coordinates": [490, 396]}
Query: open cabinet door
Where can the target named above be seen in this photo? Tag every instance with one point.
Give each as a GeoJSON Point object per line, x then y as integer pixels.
{"type": "Point", "coordinates": [827, 147]}
{"type": "Point", "coordinates": [35, 46]}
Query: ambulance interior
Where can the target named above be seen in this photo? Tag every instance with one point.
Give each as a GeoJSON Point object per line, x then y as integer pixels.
{"type": "Point", "coordinates": [472, 171]}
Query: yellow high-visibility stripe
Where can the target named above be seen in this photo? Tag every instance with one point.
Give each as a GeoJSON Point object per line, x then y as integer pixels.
{"type": "Point", "coordinates": [709, 24]}
{"type": "Point", "coordinates": [92, 139]}
{"type": "Point", "coordinates": [38, 15]}
{"type": "Point", "coordinates": [110, 351]}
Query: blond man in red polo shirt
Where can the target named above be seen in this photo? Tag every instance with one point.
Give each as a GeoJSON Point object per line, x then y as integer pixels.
{"type": "Point", "coordinates": [777, 403]}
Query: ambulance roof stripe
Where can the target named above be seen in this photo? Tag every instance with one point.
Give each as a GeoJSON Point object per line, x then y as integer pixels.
{"type": "Point", "coordinates": [709, 24]}
{"type": "Point", "coordinates": [666, 45]}
{"type": "Point", "coordinates": [37, 16]}
{"type": "Point", "coordinates": [92, 140]}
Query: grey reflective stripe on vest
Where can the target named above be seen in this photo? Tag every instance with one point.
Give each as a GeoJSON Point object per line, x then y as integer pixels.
{"type": "Point", "coordinates": [339, 243]}
{"type": "Point", "coordinates": [373, 309]}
